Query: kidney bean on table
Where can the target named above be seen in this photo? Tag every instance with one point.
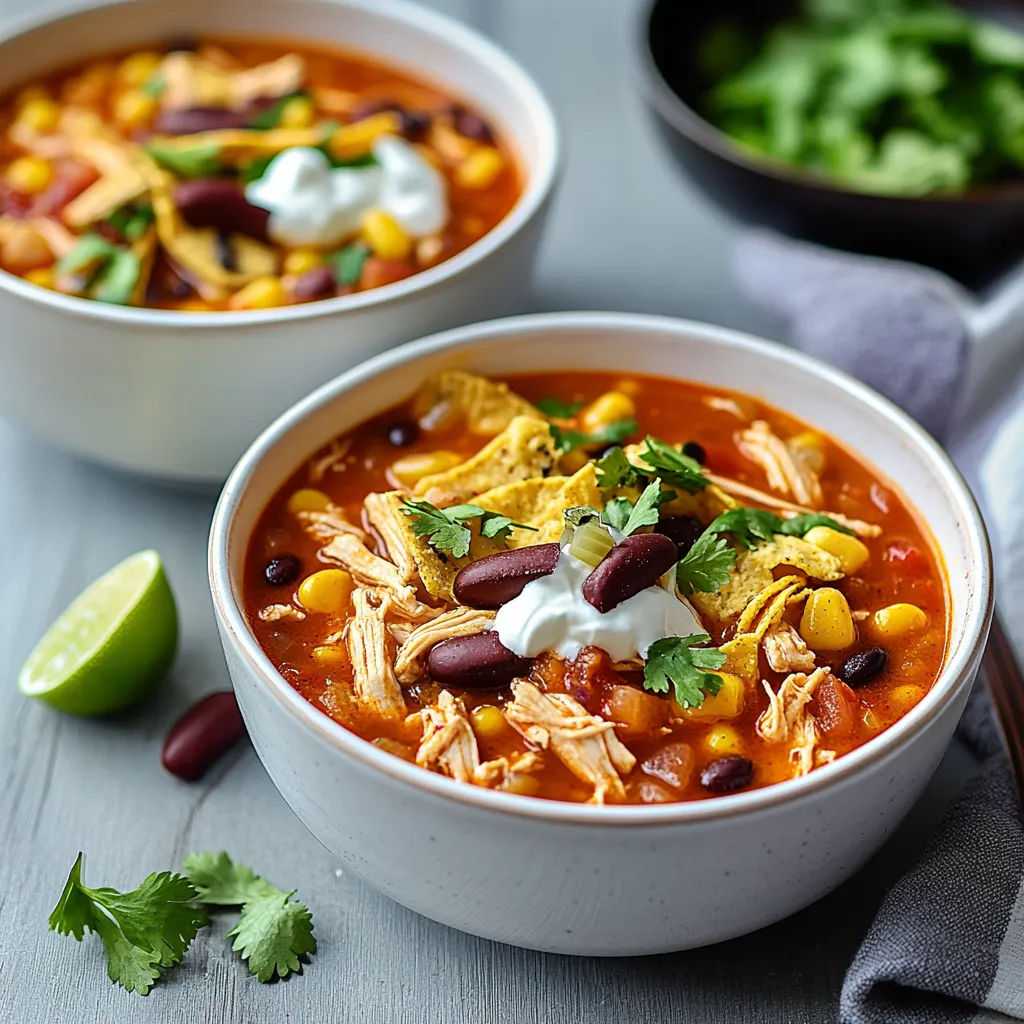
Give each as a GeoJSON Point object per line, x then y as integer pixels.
{"type": "Point", "coordinates": [727, 773]}
{"type": "Point", "coordinates": [217, 203]}
{"type": "Point", "coordinates": [634, 564]}
{"type": "Point", "coordinates": [859, 669]}
{"type": "Point", "coordinates": [478, 662]}
{"type": "Point", "coordinates": [206, 731]}
{"type": "Point", "coordinates": [494, 580]}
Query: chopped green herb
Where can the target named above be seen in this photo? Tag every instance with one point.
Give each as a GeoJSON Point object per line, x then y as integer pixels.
{"type": "Point", "coordinates": [348, 262]}
{"type": "Point", "coordinates": [557, 409]}
{"type": "Point", "coordinates": [116, 281]}
{"type": "Point", "coordinates": [798, 526]}
{"type": "Point", "coordinates": [645, 511]}
{"type": "Point", "coordinates": [446, 530]}
{"type": "Point", "coordinates": [749, 526]}
{"type": "Point", "coordinates": [255, 169]}
{"type": "Point", "coordinates": [87, 255]}
{"type": "Point", "coordinates": [131, 220]}
{"type": "Point", "coordinates": [673, 466]}
{"type": "Point", "coordinates": [615, 470]}
{"type": "Point", "coordinates": [200, 160]}
{"type": "Point", "coordinates": [674, 662]}
{"type": "Point", "coordinates": [271, 117]}
{"type": "Point", "coordinates": [616, 512]}
{"type": "Point", "coordinates": [613, 433]}
{"type": "Point", "coordinates": [705, 567]}
{"type": "Point", "coordinates": [154, 85]}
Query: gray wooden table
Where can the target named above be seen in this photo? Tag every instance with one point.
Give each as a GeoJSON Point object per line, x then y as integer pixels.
{"type": "Point", "coordinates": [626, 234]}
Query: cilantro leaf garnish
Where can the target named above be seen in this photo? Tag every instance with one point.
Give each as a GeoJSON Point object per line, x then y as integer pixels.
{"type": "Point", "coordinates": [673, 466]}
{"type": "Point", "coordinates": [675, 662]}
{"type": "Point", "coordinates": [752, 526]}
{"type": "Point", "coordinates": [705, 567]}
{"type": "Point", "coordinates": [446, 530]}
{"type": "Point", "coordinates": [615, 470]}
{"type": "Point", "coordinates": [616, 512]}
{"type": "Point", "coordinates": [348, 262]}
{"type": "Point", "coordinates": [271, 117]}
{"type": "Point", "coordinates": [645, 511]}
{"type": "Point", "coordinates": [557, 409]}
{"type": "Point", "coordinates": [144, 931]}
{"type": "Point", "coordinates": [798, 526]}
{"type": "Point", "coordinates": [274, 934]}
{"type": "Point", "coordinates": [612, 433]}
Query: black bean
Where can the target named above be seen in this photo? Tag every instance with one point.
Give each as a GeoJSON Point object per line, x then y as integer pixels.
{"type": "Point", "coordinates": [634, 564]}
{"type": "Point", "coordinates": [473, 126]}
{"type": "Point", "coordinates": [414, 124]}
{"type": "Point", "coordinates": [695, 452]}
{"type": "Point", "coordinates": [282, 570]}
{"type": "Point", "coordinates": [727, 773]}
{"type": "Point", "coordinates": [494, 580]}
{"type": "Point", "coordinates": [479, 662]}
{"type": "Point", "coordinates": [684, 530]}
{"type": "Point", "coordinates": [860, 669]}
{"type": "Point", "coordinates": [226, 255]}
{"type": "Point", "coordinates": [403, 433]}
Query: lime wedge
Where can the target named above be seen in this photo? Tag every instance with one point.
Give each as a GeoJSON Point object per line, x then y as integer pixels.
{"type": "Point", "coordinates": [111, 646]}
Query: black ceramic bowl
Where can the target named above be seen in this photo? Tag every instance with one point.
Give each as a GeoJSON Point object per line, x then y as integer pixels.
{"type": "Point", "coordinates": [973, 235]}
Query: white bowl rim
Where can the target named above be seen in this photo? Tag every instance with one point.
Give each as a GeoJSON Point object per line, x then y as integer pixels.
{"type": "Point", "coordinates": [539, 183]}
{"type": "Point", "coordinates": [943, 690]}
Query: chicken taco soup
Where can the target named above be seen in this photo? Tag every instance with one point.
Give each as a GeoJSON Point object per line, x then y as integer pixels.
{"type": "Point", "coordinates": [595, 588]}
{"type": "Point", "coordinates": [214, 175]}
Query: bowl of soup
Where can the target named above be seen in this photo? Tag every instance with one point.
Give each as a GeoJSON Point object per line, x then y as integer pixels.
{"type": "Point", "coordinates": [598, 633]}
{"type": "Point", "coordinates": [208, 210]}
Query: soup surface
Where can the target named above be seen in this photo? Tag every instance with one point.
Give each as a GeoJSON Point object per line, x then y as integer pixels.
{"type": "Point", "coordinates": [585, 587]}
{"type": "Point", "coordinates": [240, 175]}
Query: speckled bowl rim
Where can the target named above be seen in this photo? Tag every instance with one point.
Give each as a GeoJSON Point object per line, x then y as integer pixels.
{"type": "Point", "coordinates": [960, 666]}
{"type": "Point", "coordinates": [540, 179]}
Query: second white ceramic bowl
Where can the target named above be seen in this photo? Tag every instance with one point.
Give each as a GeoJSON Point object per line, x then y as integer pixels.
{"type": "Point", "coordinates": [574, 878]}
{"type": "Point", "coordinates": [180, 395]}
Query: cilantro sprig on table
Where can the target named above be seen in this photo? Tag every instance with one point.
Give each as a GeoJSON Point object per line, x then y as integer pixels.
{"type": "Point", "coordinates": [446, 529]}
{"type": "Point", "coordinates": [147, 930]}
{"type": "Point", "coordinates": [676, 663]}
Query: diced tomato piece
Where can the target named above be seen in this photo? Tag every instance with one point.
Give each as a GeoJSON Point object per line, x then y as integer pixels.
{"type": "Point", "coordinates": [378, 272]}
{"type": "Point", "coordinates": [906, 557]}
{"type": "Point", "coordinates": [835, 708]}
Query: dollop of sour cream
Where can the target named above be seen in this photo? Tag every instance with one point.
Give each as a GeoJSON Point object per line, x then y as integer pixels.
{"type": "Point", "coordinates": [313, 203]}
{"type": "Point", "coordinates": [551, 614]}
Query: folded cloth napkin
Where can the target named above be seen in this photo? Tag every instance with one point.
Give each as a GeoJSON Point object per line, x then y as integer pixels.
{"type": "Point", "coordinates": [947, 944]}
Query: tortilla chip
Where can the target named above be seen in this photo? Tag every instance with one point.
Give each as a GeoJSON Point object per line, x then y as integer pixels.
{"type": "Point", "coordinates": [753, 574]}
{"type": "Point", "coordinates": [522, 451]}
{"type": "Point", "coordinates": [486, 406]}
{"type": "Point", "coordinates": [741, 657]}
{"type": "Point", "coordinates": [766, 610]}
{"type": "Point", "coordinates": [540, 503]}
{"type": "Point", "coordinates": [706, 505]}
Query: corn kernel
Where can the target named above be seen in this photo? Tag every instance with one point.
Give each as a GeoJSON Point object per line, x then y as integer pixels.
{"type": "Point", "coordinates": [723, 739]}
{"type": "Point", "coordinates": [897, 620]}
{"type": "Point", "coordinates": [826, 623]}
{"type": "Point", "coordinates": [905, 696]}
{"type": "Point", "coordinates": [609, 408]}
{"type": "Point", "coordinates": [308, 499]}
{"type": "Point", "coordinates": [29, 175]}
{"type": "Point", "coordinates": [521, 784]}
{"type": "Point", "coordinates": [488, 721]}
{"type": "Point", "coordinates": [851, 552]}
{"type": "Point", "coordinates": [262, 293]}
{"type": "Point", "coordinates": [299, 261]}
{"type": "Point", "coordinates": [298, 112]}
{"type": "Point", "coordinates": [138, 68]}
{"type": "Point", "coordinates": [413, 468]}
{"type": "Point", "coordinates": [354, 140]}
{"type": "Point", "coordinates": [330, 656]}
{"type": "Point", "coordinates": [28, 94]}
{"type": "Point", "coordinates": [43, 277]}
{"type": "Point", "coordinates": [134, 108]}
{"type": "Point", "coordinates": [727, 703]}
{"type": "Point", "coordinates": [39, 116]}
{"type": "Point", "coordinates": [385, 236]}
{"type": "Point", "coordinates": [328, 590]}
{"type": "Point", "coordinates": [480, 168]}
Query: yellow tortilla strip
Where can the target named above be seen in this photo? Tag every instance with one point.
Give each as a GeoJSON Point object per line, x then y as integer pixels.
{"type": "Point", "coordinates": [523, 450]}
{"type": "Point", "coordinates": [766, 610]}
{"type": "Point", "coordinates": [540, 503]}
{"type": "Point", "coordinates": [706, 505]}
{"type": "Point", "coordinates": [486, 406]}
{"type": "Point", "coordinates": [753, 574]}
{"type": "Point", "coordinates": [741, 657]}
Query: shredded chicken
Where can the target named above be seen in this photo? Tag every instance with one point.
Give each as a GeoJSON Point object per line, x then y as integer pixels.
{"type": "Point", "coordinates": [449, 744]}
{"type": "Point", "coordinates": [586, 744]}
{"type": "Point", "coordinates": [786, 651]}
{"type": "Point", "coordinates": [454, 623]}
{"type": "Point", "coordinates": [192, 80]}
{"type": "Point", "coordinates": [373, 675]}
{"type": "Point", "coordinates": [788, 509]}
{"type": "Point", "coordinates": [788, 472]}
{"type": "Point", "coordinates": [788, 720]}
{"type": "Point", "coordinates": [330, 523]}
{"type": "Point", "coordinates": [723, 404]}
{"type": "Point", "coordinates": [333, 460]}
{"type": "Point", "coordinates": [281, 612]}
{"type": "Point", "coordinates": [384, 518]}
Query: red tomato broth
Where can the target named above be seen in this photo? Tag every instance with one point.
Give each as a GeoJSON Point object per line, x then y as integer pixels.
{"type": "Point", "coordinates": [676, 412]}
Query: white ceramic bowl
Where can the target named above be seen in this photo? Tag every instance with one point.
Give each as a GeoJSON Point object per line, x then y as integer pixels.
{"type": "Point", "coordinates": [180, 395]}
{"type": "Point", "coordinates": [574, 878]}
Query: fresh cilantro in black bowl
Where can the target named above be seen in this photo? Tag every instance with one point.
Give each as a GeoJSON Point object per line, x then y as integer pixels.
{"type": "Point", "coordinates": [893, 127]}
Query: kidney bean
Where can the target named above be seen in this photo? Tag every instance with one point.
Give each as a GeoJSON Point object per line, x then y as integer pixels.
{"type": "Point", "coordinates": [414, 124]}
{"type": "Point", "coordinates": [215, 203]}
{"type": "Point", "coordinates": [684, 530]}
{"type": "Point", "coordinates": [634, 564]}
{"type": "Point", "coordinates": [314, 284]}
{"type": "Point", "coordinates": [368, 108]}
{"type": "Point", "coordinates": [494, 580]}
{"type": "Point", "coordinates": [695, 451]}
{"type": "Point", "coordinates": [473, 126]}
{"type": "Point", "coordinates": [859, 669]}
{"type": "Point", "coordinates": [403, 433]}
{"type": "Point", "coordinates": [206, 731]}
{"type": "Point", "coordinates": [727, 773]}
{"type": "Point", "coordinates": [200, 119]}
{"type": "Point", "coordinates": [282, 570]}
{"type": "Point", "coordinates": [479, 662]}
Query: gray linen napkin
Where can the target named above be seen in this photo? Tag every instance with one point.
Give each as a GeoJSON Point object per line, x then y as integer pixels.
{"type": "Point", "coordinates": [947, 944]}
